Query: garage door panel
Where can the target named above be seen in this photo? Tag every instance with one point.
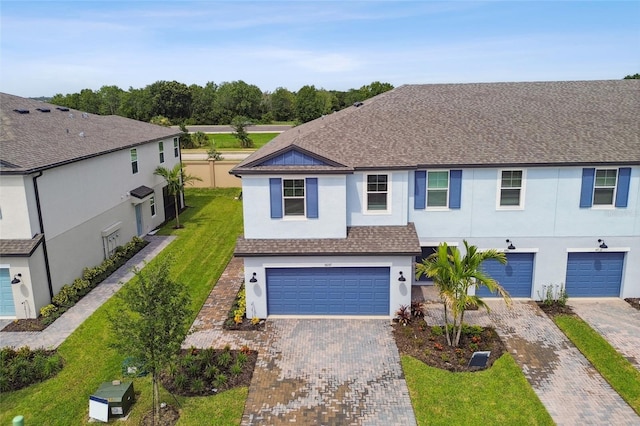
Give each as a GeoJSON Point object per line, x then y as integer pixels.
{"type": "Point", "coordinates": [594, 274]}
{"type": "Point", "coordinates": [516, 276]}
{"type": "Point", "coordinates": [328, 291]}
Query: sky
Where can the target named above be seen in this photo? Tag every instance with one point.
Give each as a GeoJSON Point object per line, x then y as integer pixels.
{"type": "Point", "coordinates": [51, 47]}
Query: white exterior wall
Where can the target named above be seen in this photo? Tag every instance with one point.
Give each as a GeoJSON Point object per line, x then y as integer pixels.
{"type": "Point", "coordinates": [397, 200]}
{"type": "Point", "coordinates": [17, 220]}
{"type": "Point", "coordinates": [331, 221]}
{"type": "Point", "coordinates": [33, 292]}
{"type": "Point", "coordinates": [256, 293]}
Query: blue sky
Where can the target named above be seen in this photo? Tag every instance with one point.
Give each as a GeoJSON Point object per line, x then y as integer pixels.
{"type": "Point", "coordinates": [54, 47]}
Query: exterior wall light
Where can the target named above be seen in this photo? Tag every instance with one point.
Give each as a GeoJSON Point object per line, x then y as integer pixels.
{"type": "Point", "coordinates": [401, 278]}
{"type": "Point", "coordinates": [602, 244]}
{"type": "Point", "coordinates": [253, 278]}
{"type": "Point", "coordinates": [510, 246]}
{"type": "Point", "coordinates": [17, 279]}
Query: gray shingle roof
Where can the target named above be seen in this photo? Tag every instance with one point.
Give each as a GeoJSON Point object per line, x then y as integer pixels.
{"type": "Point", "coordinates": [360, 241]}
{"type": "Point", "coordinates": [20, 248]}
{"type": "Point", "coordinates": [475, 125]}
{"type": "Point", "coordinates": [141, 192]}
{"type": "Point", "coordinates": [40, 140]}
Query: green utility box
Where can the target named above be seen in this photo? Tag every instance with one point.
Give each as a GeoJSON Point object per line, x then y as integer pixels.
{"type": "Point", "coordinates": [112, 400]}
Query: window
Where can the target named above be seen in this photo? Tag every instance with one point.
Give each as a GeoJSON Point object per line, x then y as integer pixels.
{"type": "Point", "coordinates": [134, 161]}
{"type": "Point", "coordinates": [605, 187]}
{"type": "Point", "coordinates": [426, 252]}
{"type": "Point", "coordinates": [377, 190]}
{"type": "Point", "coordinates": [293, 196]}
{"type": "Point", "coordinates": [511, 188]}
{"type": "Point", "coordinates": [161, 151]}
{"type": "Point", "coordinates": [176, 147]}
{"type": "Point", "coordinates": [152, 204]}
{"type": "Point", "coordinates": [437, 188]}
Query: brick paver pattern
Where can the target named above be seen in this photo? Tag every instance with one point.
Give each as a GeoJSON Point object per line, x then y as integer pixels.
{"type": "Point", "coordinates": [570, 388]}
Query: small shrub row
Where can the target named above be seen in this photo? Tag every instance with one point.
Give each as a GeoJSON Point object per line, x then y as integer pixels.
{"type": "Point", "coordinates": [22, 367]}
{"type": "Point", "coordinates": [238, 313]}
{"type": "Point", "coordinates": [405, 314]}
{"type": "Point", "coordinates": [70, 294]}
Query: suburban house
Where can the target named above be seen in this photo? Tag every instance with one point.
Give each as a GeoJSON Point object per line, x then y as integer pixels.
{"type": "Point", "coordinates": [337, 211]}
{"type": "Point", "coordinates": [73, 187]}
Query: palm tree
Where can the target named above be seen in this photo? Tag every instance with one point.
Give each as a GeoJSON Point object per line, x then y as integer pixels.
{"type": "Point", "coordinates": [454, 275]}
{"type": "Point", "coordinates": [176, 178]}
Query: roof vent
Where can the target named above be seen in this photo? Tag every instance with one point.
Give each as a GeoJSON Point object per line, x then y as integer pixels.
{"type": "Point", "coordinates": [81, 134]}
{"type": "Point", "coordinates": [62, 108]}
{"type": "Point", "coordinates": [22, 111]}
{"type": "Point", "coordinates": [85, 115]}
{"type": "Point", "coordinates": [43, 109]}
{"type": "Point", "coordinates": [357, 104]}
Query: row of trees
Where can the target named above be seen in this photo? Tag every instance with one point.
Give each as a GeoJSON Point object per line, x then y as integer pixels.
{"type": "Point", "coordinates": [171, 102]}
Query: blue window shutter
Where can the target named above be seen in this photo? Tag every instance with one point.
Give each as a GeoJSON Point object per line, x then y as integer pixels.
{"type": "Point", "coordinates": [275, 188]}
{"type": "Point", "coordinates": [420, 190]}
{"type": "Point", "coordinates": [586, 193]}
{"type": "Point", "coordinates": [622, 192]}
{"type": "Point", "coordinates": [455, 188]}
{"type": "Point", "coordinates": [312, 197]}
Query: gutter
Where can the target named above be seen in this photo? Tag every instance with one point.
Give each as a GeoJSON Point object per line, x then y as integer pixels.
{"type": "Point", "coordinates": [44, 239]}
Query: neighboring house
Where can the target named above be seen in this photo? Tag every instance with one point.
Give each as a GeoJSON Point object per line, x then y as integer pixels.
{"type": "Point", "coordinates": [73, 186]}
{"type": "Point", "coordinates": [337, 211]}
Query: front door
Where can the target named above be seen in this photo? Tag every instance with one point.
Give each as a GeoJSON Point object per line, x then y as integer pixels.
{"type": "Point", "coordinates": [7, 307]}
{"type": "Point", "coordinates": [139, 218]}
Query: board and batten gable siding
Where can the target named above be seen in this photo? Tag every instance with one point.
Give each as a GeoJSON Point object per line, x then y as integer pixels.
{"type": "Point", "coordinates": [397, 201]}
{"type": "Point", "coordinates": [260, 195]}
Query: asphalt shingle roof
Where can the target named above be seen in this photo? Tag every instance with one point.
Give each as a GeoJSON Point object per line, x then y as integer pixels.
{"type": "Point", "coordinates": [360, 241]}
{"type": "Point", "coordinates": [20, 248]}
{"type": "Point", "coordinates": [475, 125]}
{"type": "Point", "coordinates": [40, 140]}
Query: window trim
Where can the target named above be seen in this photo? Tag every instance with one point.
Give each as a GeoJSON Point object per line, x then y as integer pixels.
{"type": "Point", "coordinates": [447, 190]}
{"type": "Point", "coordinates": [133, 152]}
{"type": "Point", "coordinates": [520, 205]}
{"type": "Point", "coordinates": [365, 193]}
{"type": "Point", "coordinates": [161, 151]}
{"type": "Point", "coordinates": [612, 204]}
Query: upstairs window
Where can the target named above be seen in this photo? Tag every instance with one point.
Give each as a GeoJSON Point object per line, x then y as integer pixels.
{"type": "Point", "coordinates": [152, 204]}
{"type": "Point", "coordinates": [176, 147]}
{"type": "Point", "coordinates": [511, 185]}
{"type": "Point", "coordinates": [437, 188]}
{"type": "Point", "coordinates": [377, 192]}
{"type": "Point", "coordinates": [161, 151]}
{"type": "Point", "coordinates": [293, 197]}
{"type": "Point", "coordinates": [605, 187]}
{"type": "Point", "coordinates": [134, 161]}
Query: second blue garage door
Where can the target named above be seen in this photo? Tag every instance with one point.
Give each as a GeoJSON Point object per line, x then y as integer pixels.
{"type": "Point", "coordinates": [594, 274]}
{"type": "Point", "coordinates": [516, 276]}
{"type": "Point", "coordinates": [328, 291]}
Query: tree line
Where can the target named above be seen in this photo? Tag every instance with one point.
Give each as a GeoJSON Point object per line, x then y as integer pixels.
{"type": "Point", "coordinates": [175, 103]}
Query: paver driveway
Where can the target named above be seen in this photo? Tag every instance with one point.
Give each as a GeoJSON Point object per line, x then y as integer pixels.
{"type": "Point", "coordinates": [329, 372]}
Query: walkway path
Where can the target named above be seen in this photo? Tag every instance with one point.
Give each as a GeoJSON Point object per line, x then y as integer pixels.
{"type": "Point", "coordinates": [567, 384]}
{"type": "Point", "coordinates": [56, 333]}
{"type": "Point", "coordinates": [616, 321]}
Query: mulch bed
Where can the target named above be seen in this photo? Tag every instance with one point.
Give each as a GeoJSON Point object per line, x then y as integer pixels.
{"type": "Point", "coordinates": [634, 302]}
{"type": "Point", "coordinates": [169, 416]}
{"type": "Point", "coordinates": [555, 309]}
{"type": "Point", "coordinates": [30, 324]}
{"type": "Point", "coordinates": [417, 340]}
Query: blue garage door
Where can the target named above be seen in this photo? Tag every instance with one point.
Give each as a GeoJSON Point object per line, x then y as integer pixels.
{"type": "Point", "coordinates": [7, 308]}
{"type": "Point", "coordinates": [594, 274]}
{"type": "Point", "coordinates": [516, 276]}
{"type": "Point", "coordinates": [328, 291]}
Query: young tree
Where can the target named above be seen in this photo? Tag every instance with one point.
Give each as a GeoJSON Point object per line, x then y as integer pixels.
{"type": "Point", "coordinates": [176, 179]}
{"type": "Point", "coordinates": [454, 275]}
{"type": "Point", "coordinates": [155, 322]}
{"type": "Point", "coordinates": [239, 125]}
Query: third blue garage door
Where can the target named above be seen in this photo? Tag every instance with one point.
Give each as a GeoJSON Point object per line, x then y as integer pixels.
{"type": "Point", "coordinates": [594, 274]}
{"type": "Point", "coordinates": [328, 291]}
{"type": "Point", "coordinates": [516, 276]}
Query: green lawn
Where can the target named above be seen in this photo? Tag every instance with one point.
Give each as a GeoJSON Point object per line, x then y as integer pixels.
{"type": "Point", "coordinates": [620, 373]}
{"type": "Point", "coordinates": [201, 252]}
{"type": "Point", "coordinates": [499, 395]}
{"type": "Point", "coordinates": [228, 141]}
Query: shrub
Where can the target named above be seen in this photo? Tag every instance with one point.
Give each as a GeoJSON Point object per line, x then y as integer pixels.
{"type": "Point", "coordinates": [66, 297]}
{"type": "Point", "coordinates": [48, 311]}
{"type": "Point", "coordinates": [417, 309]}
{"type": "Point", "coordinates": [436, 330]}
{"type": "Point", "coordinates": [81, 287]}
{"type": "Point", "coordinates": [23, 367]}
{"type": "Point", "coordinates": [403, 315]}
{"type": "Point", "coordinates": [224, 359]}
{"type": "Point", "coordinates": [236, 369]}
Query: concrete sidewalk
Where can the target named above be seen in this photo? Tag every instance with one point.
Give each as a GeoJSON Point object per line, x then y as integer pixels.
{"type": "Point", "coordinates": [56, 333]}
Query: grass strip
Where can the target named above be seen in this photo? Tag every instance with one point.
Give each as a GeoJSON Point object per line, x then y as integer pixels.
{"type": "Point", "coordinates": [228, 141]}
{"type": "Point", "coordinates": [499, 395]}
{"type": "Point", "coordinates": [201, 252]}
{"type": "Point", "coordinates": [623, 377]}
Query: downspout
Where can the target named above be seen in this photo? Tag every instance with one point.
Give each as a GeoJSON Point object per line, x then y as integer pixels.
{"type": "Point", "coordinates": [44, 237]}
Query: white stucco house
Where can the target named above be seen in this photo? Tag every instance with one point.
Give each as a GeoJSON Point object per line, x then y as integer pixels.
{"type": "Point", "coordinates": [337, 211]}
{"type": "Point", "coordinates": [73, 186]}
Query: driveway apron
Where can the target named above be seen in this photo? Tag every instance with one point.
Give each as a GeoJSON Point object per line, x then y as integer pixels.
{"type": "Point", "coordinates": [572, 391]}
{"type": "Point", "coordinates": [329, 372]}
{"type": "Point", "coordinates": [616, 321]}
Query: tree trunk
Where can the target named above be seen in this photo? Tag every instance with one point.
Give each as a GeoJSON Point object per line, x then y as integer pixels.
{"type": "Point", "coordinates": [175, 198]}
{"type": "Point", "coordinates": [156, 400]}
{"type": "Point", "coordinates": [446, 325]}
{"type": "Point", "coordinates": [459, 330]}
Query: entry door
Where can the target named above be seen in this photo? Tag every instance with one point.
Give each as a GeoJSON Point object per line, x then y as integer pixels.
{"type": "Point", "coordinates": [7, 307]}
{"type": "Point", "coordinates": [139, 218]}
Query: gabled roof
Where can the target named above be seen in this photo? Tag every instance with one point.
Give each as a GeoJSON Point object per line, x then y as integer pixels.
{"type": "Point", "coordinates": [291, 159]}
{"type": "Point", "coordinates": [41, 139]}
{"type": "Point", "coordinates": [476, 125]}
